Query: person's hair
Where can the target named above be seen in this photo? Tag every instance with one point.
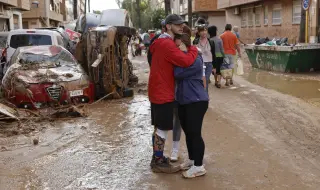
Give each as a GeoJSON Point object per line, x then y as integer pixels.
{"type": "Point", "coordinates": [201, 21]}
{"type": "Point", "coordinates": [236, 28]}
{"type": "Point", "coordinates": [212, 30]}
{"type": "Point", "coordinates": [228, 27]}
{"type": "Point", "coordinates": [201, 28]}
{"type": "Point", "coordinates": [186, 36]}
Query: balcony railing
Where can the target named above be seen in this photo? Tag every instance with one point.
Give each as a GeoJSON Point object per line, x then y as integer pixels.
{"type": "Point", "coordinates": [24, 5]}
{"type": "Point", "coordinates": [55, 16]}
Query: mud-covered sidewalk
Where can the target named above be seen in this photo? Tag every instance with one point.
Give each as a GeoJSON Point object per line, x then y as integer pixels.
{"type": "Point", "coordinates": [256, 138]}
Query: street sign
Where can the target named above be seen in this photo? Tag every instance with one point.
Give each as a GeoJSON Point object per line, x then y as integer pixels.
{"type": "Point", "coordinates": [306, 4]}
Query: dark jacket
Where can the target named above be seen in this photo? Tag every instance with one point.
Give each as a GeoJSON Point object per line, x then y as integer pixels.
{"type": "Point", "coordinates": [212, 45]}
{"type": "Point", "coordinates": [189, 83]}
{"type": "Point", "coordinates": [149, 55]}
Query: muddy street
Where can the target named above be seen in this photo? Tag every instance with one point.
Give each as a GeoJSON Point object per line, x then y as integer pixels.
{"type": "Point", "coordinates": [257, 136]}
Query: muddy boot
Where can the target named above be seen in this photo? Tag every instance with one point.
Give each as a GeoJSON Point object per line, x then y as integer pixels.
{"type": "Point", "coordinates": [163, 165]}
{"type": "Point", "coordinates": [227, 82]}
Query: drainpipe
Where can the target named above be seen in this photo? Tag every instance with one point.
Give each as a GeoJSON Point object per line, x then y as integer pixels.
{"type": "Point", "coordinates": [46, 11]}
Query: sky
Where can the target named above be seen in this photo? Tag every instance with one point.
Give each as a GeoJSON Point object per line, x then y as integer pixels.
{"type": "Point", "coordinates": [103, 4]}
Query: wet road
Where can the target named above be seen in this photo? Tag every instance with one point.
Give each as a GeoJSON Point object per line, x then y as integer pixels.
{"type": "Point", "coordinates": [256, 138]}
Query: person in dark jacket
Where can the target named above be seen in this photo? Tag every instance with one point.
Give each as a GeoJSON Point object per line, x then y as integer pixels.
{"type": "Point", "coordinates": [161, 88]}
{"type": "Point", "coordinates": [193, 102]}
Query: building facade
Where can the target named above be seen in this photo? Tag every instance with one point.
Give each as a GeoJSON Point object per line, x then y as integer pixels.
{"type": "Point", "coordinates": [268, 18]}
{"type": "Point", "coordinates": [70, 6]}
{"type": "Point", "coordinates": [208, 9]}
{"type": "Point", "coordinates": [44, 13]}
{"type": "Point", "coordinates": [200, 8]}
{"type": "Point", "coordinates": [11, 13]}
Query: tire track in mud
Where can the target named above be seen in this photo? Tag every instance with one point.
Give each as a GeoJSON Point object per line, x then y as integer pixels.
{"type": "Point", "coordinates": [294, 130]}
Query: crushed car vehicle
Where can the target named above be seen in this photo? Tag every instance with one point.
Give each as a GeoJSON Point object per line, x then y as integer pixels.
{"type": "Point", "coordinates": [46, 76]}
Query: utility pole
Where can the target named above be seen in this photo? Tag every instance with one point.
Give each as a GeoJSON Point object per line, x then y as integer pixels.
{"type": "Point", "coordinates": [167, 6]}
{"type": "Point", "coordinates": [46, 12]}
{"type": "Point", "coordinates": [138, 13]}
{"type": "Point", "coordinates": [190, 13]}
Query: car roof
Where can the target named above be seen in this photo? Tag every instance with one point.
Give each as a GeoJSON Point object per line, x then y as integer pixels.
{"type": "Point", "coordinates": [49, 50]}
{"type": "Point", "coordinates": [24, 31]}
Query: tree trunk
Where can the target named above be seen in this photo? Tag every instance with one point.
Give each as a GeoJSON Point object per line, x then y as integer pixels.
{"type": "Point", "coordinates": [138, 13]}
{"type": "Point", "coordinates": [190, 13]}
{"type": "Point", "coordinates": [302, 26]}
{"type": "Point", "coordinates": [167, 6]}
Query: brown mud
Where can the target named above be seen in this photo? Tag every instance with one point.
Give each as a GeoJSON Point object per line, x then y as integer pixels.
{"type": "Point", "coordinates": [256, 138]}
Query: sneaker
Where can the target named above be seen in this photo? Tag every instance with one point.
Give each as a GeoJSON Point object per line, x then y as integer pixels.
{"type": "Point", "coordinates": [187, 164]}
{"type": "Point", "coordinates": [174, 156]}
{"type": "Point", "coordinates": [194, 171]}
{"type": "Point", "coordinates": [231, 82]}
{"type": "Point", "coordinates": [163, 165]}
{"type": "Point", "coordinates": [153, 161]}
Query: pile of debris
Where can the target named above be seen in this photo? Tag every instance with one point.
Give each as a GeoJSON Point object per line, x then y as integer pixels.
{"type": "Point", "coordinates": [274, 42]}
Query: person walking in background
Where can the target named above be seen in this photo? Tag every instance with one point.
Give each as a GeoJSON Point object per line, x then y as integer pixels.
{"type": "Point", "coordinates": [193, 103]}
{"type": "Point", "coordinates": [236, 31]}
{"type": "Point", "coordinates": [161, 88]}
{"type": "Point", "coordinates": [219, 53]}
{"type": "Point", "coordinates": [207, 48]}
{"type": "Point", "coordinates": [230, 46]}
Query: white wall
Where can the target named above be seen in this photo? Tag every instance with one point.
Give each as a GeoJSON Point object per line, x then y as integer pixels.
{"type": "Point", "coordinates": [218, 21]}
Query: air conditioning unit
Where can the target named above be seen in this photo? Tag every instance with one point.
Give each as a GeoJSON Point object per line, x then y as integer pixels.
{"type": "Point", "coordinates": [236, 11]}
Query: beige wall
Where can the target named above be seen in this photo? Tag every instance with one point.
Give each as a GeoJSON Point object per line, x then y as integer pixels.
{"type": "Point", "coordinates": [230, 3]}
{"type": "Point", "coordinates": [205, 5]}
{"type": "Point", "coordinates": [10, 2]}
{"type": "Point", "coordinates": [249, 34]}
{"type": "Point", "coordinates": [24, 4]}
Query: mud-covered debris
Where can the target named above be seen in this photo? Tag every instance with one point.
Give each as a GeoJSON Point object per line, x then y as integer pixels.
{"type": "Point", "coordinates": [3, 148]}
{"type": "Point", "coordinates": [142, 91]}
{"type": "Point", "coordinates": [265, 175]}
{"type": "Point", "coordinates": [35, 141]}
{"type": "Point", "coordinates": [7, 113]}
{"type": "Point", "coordinates": [83, 128]}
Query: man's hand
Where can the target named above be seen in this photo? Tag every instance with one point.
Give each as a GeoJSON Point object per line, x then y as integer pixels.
{"type": "Point", "coordinates": [204, 82]}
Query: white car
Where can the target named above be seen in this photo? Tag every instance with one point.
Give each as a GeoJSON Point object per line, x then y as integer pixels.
{"type": "Point", "coordinates": [31, 37]}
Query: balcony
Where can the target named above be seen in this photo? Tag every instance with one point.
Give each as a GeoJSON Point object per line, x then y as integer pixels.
{"type": "Point", "coordinates": [205, 5]}
{"type": "Point", "coordinates": [55, 16]}
{"type": "Point", "coordinates": [231, 3]}
{"type": "Point", "coordinates": [24, 5]}
{"type": "Point", "coordinates": [10, 2]}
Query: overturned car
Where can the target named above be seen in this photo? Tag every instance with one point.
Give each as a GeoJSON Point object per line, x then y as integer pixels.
{"type": "Point", "coordinates": [46, 76]}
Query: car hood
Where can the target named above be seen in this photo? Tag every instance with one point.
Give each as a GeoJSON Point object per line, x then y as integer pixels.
{"type": "Point", "coordinates": [64, 73]}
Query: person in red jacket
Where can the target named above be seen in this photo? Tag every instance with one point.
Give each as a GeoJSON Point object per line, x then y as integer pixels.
{"type": "Point", "coordinates": [161, 89]}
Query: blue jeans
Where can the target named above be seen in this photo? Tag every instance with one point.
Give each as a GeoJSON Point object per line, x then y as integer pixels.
{"type": "Point", "coordinates": [208, 72]}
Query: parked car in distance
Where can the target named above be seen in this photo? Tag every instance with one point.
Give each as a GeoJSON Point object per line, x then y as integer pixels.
{"type": "Point", "coordinates": [46, 76]}
{"type": "Point", "coordinates": [31, 37]}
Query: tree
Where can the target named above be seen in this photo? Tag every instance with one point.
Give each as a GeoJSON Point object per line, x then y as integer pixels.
{"type": "Point", "coordinates": [190, 13]}
{"type": "Point", "coordinates": [302, 33]}
{"type": "Point", "coordinates": [139, 11]}
{"type": "Point", "coordinates": [97, 12]}
{"type": "Point", "coordinates": [157, 16]}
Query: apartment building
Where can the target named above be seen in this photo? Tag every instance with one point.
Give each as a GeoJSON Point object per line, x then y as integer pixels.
{"type": "Point", "coordinates": [70, 6]}
{"type": "Point", "coordinates": [11, 13]}
{"type": "Point", "coordinates": [44, 13]}
{"type": "Point", "coordinates": [200, 8]}
{"type": "Point", "coordinates": [268, 18]}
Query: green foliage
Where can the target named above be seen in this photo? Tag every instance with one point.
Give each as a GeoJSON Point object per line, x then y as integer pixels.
{"type": "Point", "coordinates": [157, 16]}
{"type": "Point", "coordinates": [149, 18]}
{"type": "Point", "coordinates": [96, 12]}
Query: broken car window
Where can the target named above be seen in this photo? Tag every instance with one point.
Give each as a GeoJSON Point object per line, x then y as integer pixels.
{"type": "Point", "coordinates": [21, 40]}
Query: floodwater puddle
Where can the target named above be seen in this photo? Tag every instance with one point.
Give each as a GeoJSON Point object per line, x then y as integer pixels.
{"type": "Point", "coordinates": [303, 86]}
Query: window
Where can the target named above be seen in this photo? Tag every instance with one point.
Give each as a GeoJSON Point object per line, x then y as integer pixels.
{"type": "Point", "coordinates": [258, 16]}
{"type": "Point", "coordinates": [60, 41]}
{"type": "Point", "coordinates": [276, 14]}
{"type": "Point", "coordinates": [296, 12]}
{"type": "Point", "coordinates": [266, 15]}
{"type": "Point", "coordinates": [22, 40]}
{"type": "Point", "coordinates": [250, 17]}
{"type": "Point", "coordinates": [244, 17]}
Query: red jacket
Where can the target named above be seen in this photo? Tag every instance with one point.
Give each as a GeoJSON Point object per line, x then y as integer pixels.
{"type": "Point", "coordinates": [165, 55]}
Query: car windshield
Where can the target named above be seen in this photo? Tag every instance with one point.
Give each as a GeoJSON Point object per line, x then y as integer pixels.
{"type": "Point", "coordinates": [3, 40]}
{"type": "Point", "coordinates": [43, 60]}
{"type": "Point", "coordinates": [21, 40]}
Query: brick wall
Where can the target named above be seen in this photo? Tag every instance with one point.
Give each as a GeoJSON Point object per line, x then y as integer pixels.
{"type": "Point", "coordinates": [249, 34]}
{"type": "Point", "coordinates": [205, 5]}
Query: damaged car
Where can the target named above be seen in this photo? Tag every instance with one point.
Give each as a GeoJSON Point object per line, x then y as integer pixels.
{"type": "Point", "coordinates": [46, 76]}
